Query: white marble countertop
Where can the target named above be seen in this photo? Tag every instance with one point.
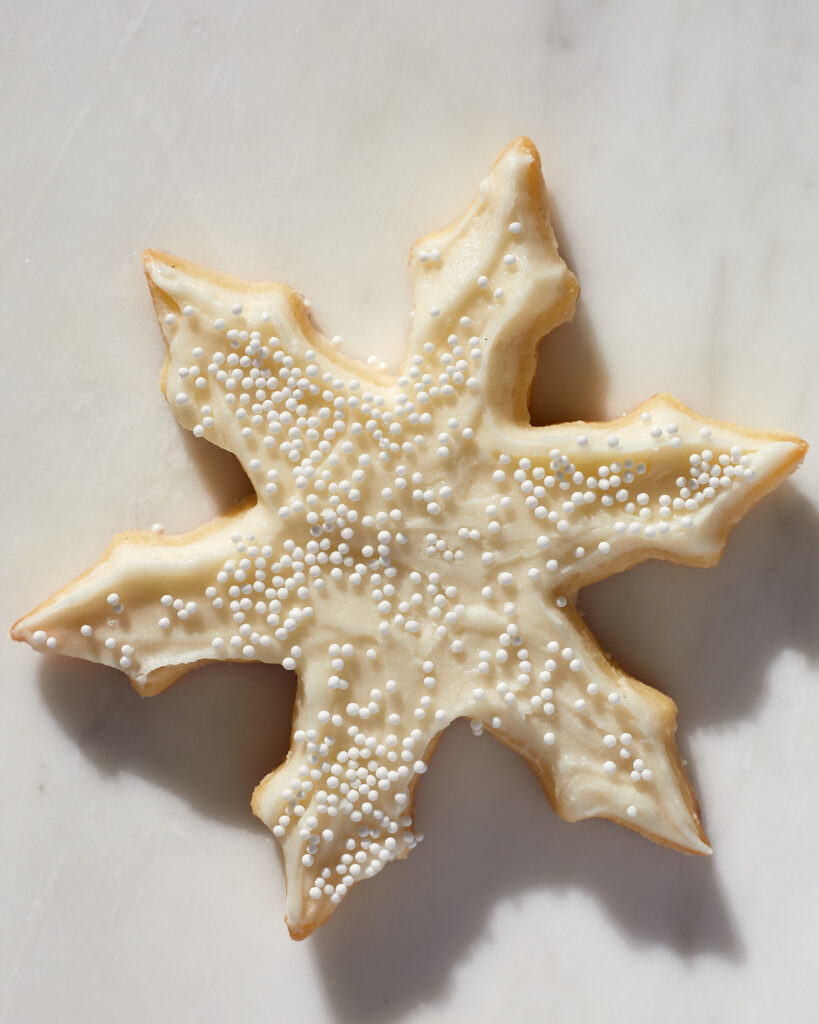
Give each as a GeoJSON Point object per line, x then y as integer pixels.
{"type": "Point", "coordinates": [313, 144]}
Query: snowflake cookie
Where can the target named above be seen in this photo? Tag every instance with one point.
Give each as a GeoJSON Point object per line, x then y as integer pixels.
{"type": "Point", "coordinates": [414, 546]}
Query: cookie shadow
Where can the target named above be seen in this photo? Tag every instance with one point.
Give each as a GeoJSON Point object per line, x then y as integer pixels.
{"type": "Point", "coordinates": [210, 738]}
{"type": "Point", "coordinates": [709, 661]}
{"type": "Point", "coordinates": [486, 848]}
{"type": "Point", "coordinates": [571, 379]}
{"type": "Point", "coordinates": [220, 470]}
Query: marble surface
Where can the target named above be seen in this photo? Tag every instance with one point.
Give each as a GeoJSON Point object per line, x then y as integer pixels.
{"type": "Point", "coordinates": [312, 143]}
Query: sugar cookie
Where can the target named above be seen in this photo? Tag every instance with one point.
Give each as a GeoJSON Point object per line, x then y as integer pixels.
{"type": "Point", "coordinates": [415, 546]}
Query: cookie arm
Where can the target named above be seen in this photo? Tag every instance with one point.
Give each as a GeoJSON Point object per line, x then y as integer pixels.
{"type": "Point", "coordinates": [341, 804]}
{"type": "Point", "coordinates": [247, 369]}
{"type": "Point", "coordinates": [153, 605]}
{"type": "Point", "coordinates": [662, 482]}
{"type": "Point", "coordinates": [601, 743]}
{"type": "Point", "coordinates": [493, 284]}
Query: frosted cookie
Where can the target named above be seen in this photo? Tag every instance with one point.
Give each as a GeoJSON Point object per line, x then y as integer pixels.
{"type": "Point", "coordinates": [415, 546]}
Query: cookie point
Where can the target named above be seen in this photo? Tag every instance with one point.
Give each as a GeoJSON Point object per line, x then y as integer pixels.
{"type": "Point", "coordinates": [701, 847]}
{"type": "Point", "coordinates": [25, 629]}
{"type": "Point", "coordinates": [521, 151]}
{"type": "Point", "coordinates": [16, 631]}
{"type": "Point", "coordinates": [800, 448]}
{"type": "Point", "coordinates": [153, 258]}
{"type": "Point", "coordinates": [789, 452]}
{"type": "Point", "coordinates": [524, 144]}
{"type": "Point", "coordinates": [299, 931]}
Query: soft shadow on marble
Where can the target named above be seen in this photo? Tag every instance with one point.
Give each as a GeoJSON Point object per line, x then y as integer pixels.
{"type": "Point", "coordinates": [491, 838]}
{"type": "Point", "coordinates": [209, 739]}
{"type": "Point", "coordinates": [571, 378]}
{"type": "Point", "coordinates": [707, 636]}
{"type": "Point", "coordinates": [220, 470]}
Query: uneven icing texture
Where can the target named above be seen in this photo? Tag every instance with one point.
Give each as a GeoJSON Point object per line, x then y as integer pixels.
{"type": "Point", "coordinates": [415, 547]}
